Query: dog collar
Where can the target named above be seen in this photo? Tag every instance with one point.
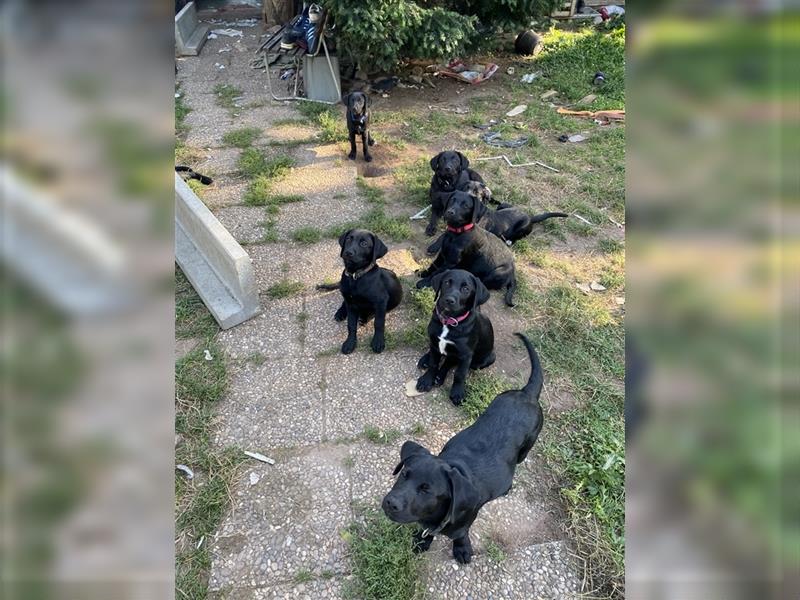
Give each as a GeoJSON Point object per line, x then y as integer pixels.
{"type": "Point", "coordinates": [431, 532]}
{"type": "Point", "coordinates": [361, 272]}
{"type": "Point", "coordinates": [451, 321]}
{"type": "Point", "coordinates": [466, 227]}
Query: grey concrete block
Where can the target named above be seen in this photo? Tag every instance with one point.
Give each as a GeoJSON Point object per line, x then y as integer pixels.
{"type": "Point", "coordinates": [190, 34]}
{"type": "Point", "coordinates": [214, 262]}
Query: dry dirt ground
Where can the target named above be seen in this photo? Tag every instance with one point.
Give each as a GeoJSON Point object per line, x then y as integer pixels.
{"type": "Point", "coordinates": [293, 397]}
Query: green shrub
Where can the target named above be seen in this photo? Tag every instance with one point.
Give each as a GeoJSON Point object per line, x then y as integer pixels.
{"type": "Point", "coordinates": [509, 13]}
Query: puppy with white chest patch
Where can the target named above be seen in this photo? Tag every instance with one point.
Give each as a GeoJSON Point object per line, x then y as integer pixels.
{"type": "Point", "coordinates": [460, 335]}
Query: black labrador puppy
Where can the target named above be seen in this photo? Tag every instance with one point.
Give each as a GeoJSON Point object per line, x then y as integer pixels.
{"type": "Point", "coordinates": [451, 171]}
{"type": "Point", "coordinates": [460, 336]}
{"type": "Point", "coordinates": [507, 222]}
{"type": "Point", "coordinates": [368, 290]}
{"type": "Point", "coordinates": [444, 493]}
{"type": "Point", "coordinates": [358, 123]}
{"type": "Point", "coordinates": [465, 246]}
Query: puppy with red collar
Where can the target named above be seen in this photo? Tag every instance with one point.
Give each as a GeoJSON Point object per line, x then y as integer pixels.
{"type": "Point", "coordinates": [466, 245]}
{"type": "Point", "coordinates": [460, 335]}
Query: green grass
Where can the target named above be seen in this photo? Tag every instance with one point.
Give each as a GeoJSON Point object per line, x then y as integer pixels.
{"type": "Point", "coordinates": [259, 193]}
{"type": "Point", "coordinates": [184, 154]}
{"type": "Point", "coordinates": [307, 235]}
{"type": "Point", "coordinates": [379, 223]}
{"type": "Point", "coordinates": [334, 128]}
{"type": "Point", "coordinates": [303, 576]}
{"type": "Point", "coordinates": [241, 138]}
{"type": "Point", "coordinates": [610, 246]}
{"type": "Point", "coordinates": [569, 60]}
{"type": "Point", "coordinates": [198, 188]}
{"type": "Point", "coordinates": [226, 95]}
{"type": "Point", "coordinates": [252, 163]}
{"type": "Point", "coordinates": [192, 319]}
{"type": "Point", "coordinates": [384, 566]}
{"type": "Point", "coordinates": [495, 552]}
{"type": "Point", "coordinates": [381, 436]}
{"type": "Point", "coordinates": [181, 112]}
{"type": "Point", "coordinates": [414, 180]}
{"type": "Point", "coordinates": [284, 289]}
{"type": "Point", "coordinates": [201, 502]}
{"type": "Point", "coordinates": [482, 387]}
{"type": "Point", "coordinates": [372, 194]}
{"type": "Point", "coordinates": [579, 339]}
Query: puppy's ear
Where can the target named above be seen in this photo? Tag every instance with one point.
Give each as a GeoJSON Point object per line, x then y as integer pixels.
{"type": "Point", "coordinates": [408, 450]}
{"type": "Point", "coordinates": [342, 238]}
{"type": "Point", "coordinates": [436, 281]}
{"type": "Point", "coordinates": [486, 194]}
{"type": "Point", "coordinates": [379, 249]}
{"type": "Point", "coordinates": [464, 161]}
{"type": "Point", "coordinates": [435, 162]}
{"type": "Point", "coordinates": [346, 99]}
{"type": "Point", "coordinates": [481, 293]}
{"type": "Point", "coordinates": [463, 498]}
{"type": "Point", "coordinates": [478, 209]}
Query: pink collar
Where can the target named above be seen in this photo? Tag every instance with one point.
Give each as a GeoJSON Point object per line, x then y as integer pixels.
{"type": "Point", "coordinates": [451, 321]}
{"type": "Point", "coordinates": [466, 227]}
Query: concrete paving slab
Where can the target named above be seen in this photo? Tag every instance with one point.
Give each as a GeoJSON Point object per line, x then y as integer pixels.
{"type": "Point", "coordinates": [225, 191]}
{"type": "Point", "coordinates": [220, 162]}
{"type": "Point", "coordinates": [309, 265]}
{"type": "Point", "coordinates": [278, 404]}
{"type": "Point", "coordinates": [322, 588]}
{"type": "Point", "coordinates": [245, 223]}
{"type": "Point", "coordinates": [367, 389]}
{"type": "Point", "coordinates": [289, 520]}
{"type": "Point", "coordinates": [273, 334]}
{"type": "Point", "coordinates": [321, 210]}
{"type": "Point", "coordinates": [538, 572]}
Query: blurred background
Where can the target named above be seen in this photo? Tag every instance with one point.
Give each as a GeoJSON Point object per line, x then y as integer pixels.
{"type": "Point", "coordinates": [713, 294]}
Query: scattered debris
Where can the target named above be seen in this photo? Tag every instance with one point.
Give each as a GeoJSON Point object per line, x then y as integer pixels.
{"type": "Point", "coordinates": [510, 164]}
{"type": "Point", "coordinates": [488, 125]}
{"type": "Point", "coordinates": [429, 80]}
{"type": "Point", "coordinates": [602, 115]}
{"type": "Point", "coordinates": [177, 94]}
{"type": "Point", "coordinates": [572, 138]}
{"type": "Point", "coordinates": [617, 223]}
{"type": "Point", "coordinates": [599, 78]}
{"type": "Point", "coordinates": [517, 110]}
{"type": "Point", "coordinates": [584, 288]}
{"type": "Point", "coordinates": [421, 214]}
{"type": "Point", "coordinates": [458, 70]}
{"type": "Point", "coordinates": [254, 477]}
{"type": "Point", "coordinates": [530, 77]}
{"type": "Point", "coordinates": [200, 543]}
{"type": "Point", "coordinates": [459, 110]}
{"type": "Point", "coordinates": [510, 70]}
{"type": "Point", "coordinates": [619, 300]}
{"type": "Point", "coordinates": [219, 66]}
{"type": "Point", "coordinates": [548, 94]}
{"type": "Point", "coordinates": [207, 354]}
{"type": "Point", "coordinates": [587, 221]}
{"type": "Point", "coordinates": [493, 139]}
{"type": "Point", "coordinates": [588, 99]}
{"type": "Point", "coordinates": [187, 470]}
{"type": "Point", "coordinates": [597, 287]}
{"type": "Point", "coordinates": [228, 32]}
{"type": "Point", "coordinates": [225, 49]}
{"type": "Point", "coordinates": [260, 457]}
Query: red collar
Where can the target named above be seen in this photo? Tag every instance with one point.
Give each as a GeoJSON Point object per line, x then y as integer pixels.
{"type": "Point", "coordinates": [450, 321]}
{"type": "Point", "coordinates": [466, 227]}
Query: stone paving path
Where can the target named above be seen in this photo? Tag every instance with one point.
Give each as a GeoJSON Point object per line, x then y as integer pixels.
{"type": "Point", "coordinates": [294, 399]}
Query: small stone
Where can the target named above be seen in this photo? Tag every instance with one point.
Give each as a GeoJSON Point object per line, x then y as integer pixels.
{"type": "Point", "coordinates": [254, 477]}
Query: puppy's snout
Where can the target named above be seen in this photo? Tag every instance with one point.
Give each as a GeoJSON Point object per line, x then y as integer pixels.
{"type": "Point", "coordinates": [390, 504]}
{"type": "Point", "coordinates": [450, 301]}
{"type": "Point", "coordinates": [348, 253]}
{"type": "Point", "coordinates": [449, 212]}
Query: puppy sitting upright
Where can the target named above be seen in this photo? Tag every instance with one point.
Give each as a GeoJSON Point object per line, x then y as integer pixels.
{"type": "Point", "coordinates": [358, 123]}
{"type": "Point", "coordinates": [465, 246]}
{"type": "Point", "coordinates": [444, 493]}
{"type": "Point", "coordinates": [460, 336]}
{"type": "Point", "coordinates": [451, 171]}
{"type": "Point", "coordinates": [368, 290]}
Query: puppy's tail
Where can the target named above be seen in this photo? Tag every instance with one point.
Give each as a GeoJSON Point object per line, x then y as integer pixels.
{"type": "Point", "coordinates": [536, 379]}
{"type": "Point", "coordinates": [547, 215]}
{"type": "Point", "coordinates": [328, 286]}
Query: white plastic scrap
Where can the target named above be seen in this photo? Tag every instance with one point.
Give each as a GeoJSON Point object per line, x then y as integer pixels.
{"type": "Point", "coordinates": [254, 477]}
{"type": "Point", "coordinates": [187, 470]}
{"type": "Point", "coordinates": [528, 78]}
{"type": "Point", "coordinates": [517, 110]}
{"type": "Point", "coordinates": [228, 32]}
{"type": "Point", "coordinates": [208, 355]}
{"type": "Point", "coordinates": [260, 457]}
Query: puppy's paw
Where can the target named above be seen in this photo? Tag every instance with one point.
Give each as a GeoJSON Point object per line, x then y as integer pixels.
{"type": "Point", "coordinates": [378, 344]}
{"type": "Point", "coordinates": [368, 157]}
{"type": "Point", "coordinates": [424, 282]}
{"type": "Point", "coordinates": [439, 379]}
{"type": "Point", "coordinates": [425, 383]}
{"type": "Point", "coordinates": [462, 554]}
{"type": "Point", "coordinates": [341, 314]}
{"type": "Point", "coordinates": [420, 543]}
{"type": "Point", "coordinates": [430, 230]}
{"type": "Point", "coordinates": [424, 361]}
{"type": "Point", "coordinates": [349, 345]}
{"type": "Point", "coordinates": [432, 249]}
{"type": "Point", "coordinates": [457, 395]}
{"type": "Point", "coordinates": [352, 155]}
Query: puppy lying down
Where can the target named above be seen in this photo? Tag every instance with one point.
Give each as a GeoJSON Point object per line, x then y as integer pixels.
{"type": "Point", "coordinates": [444, 493]}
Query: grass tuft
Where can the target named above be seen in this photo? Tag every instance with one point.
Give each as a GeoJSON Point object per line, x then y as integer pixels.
{"type": "Point", "coordinates": [482, 387]}
{"type": "Point", "coordinates": [226, 95]}
{"type": "Point", "coordinates": [415, 181]}
{"type": "Point", "coordinates": [372, 194]}
{"type": "Point", "coordinates": [307, 235]}
{"type": "Point", "coordinates": [192, 319]}
{"type": "Point", "coordinates": [381, 436]}
{"type": "Point", "coordinates": [284, 289]}
{"type": "Point", "coordinates": [384, 566]}
{"type": "Point", "coordinates": [495, 552]}
{"type": "Point", "coordinates": [241, 138]}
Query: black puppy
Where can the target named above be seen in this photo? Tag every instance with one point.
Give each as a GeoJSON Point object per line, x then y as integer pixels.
{"type": "Point", "coordinates": [460, 336]}
{"type": "Point", "coordinates": [358, 123]}
{"type": "Point", "coordinates": [444, 493]}
{"type": "Point", "coordinates": [451, 171]}
{"type": "Point", "coordinates": [465, 246]}
{"type": "Point", "coordinates": [368, 290]}
{"type": "Point", "coordinates": [507, 222]}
